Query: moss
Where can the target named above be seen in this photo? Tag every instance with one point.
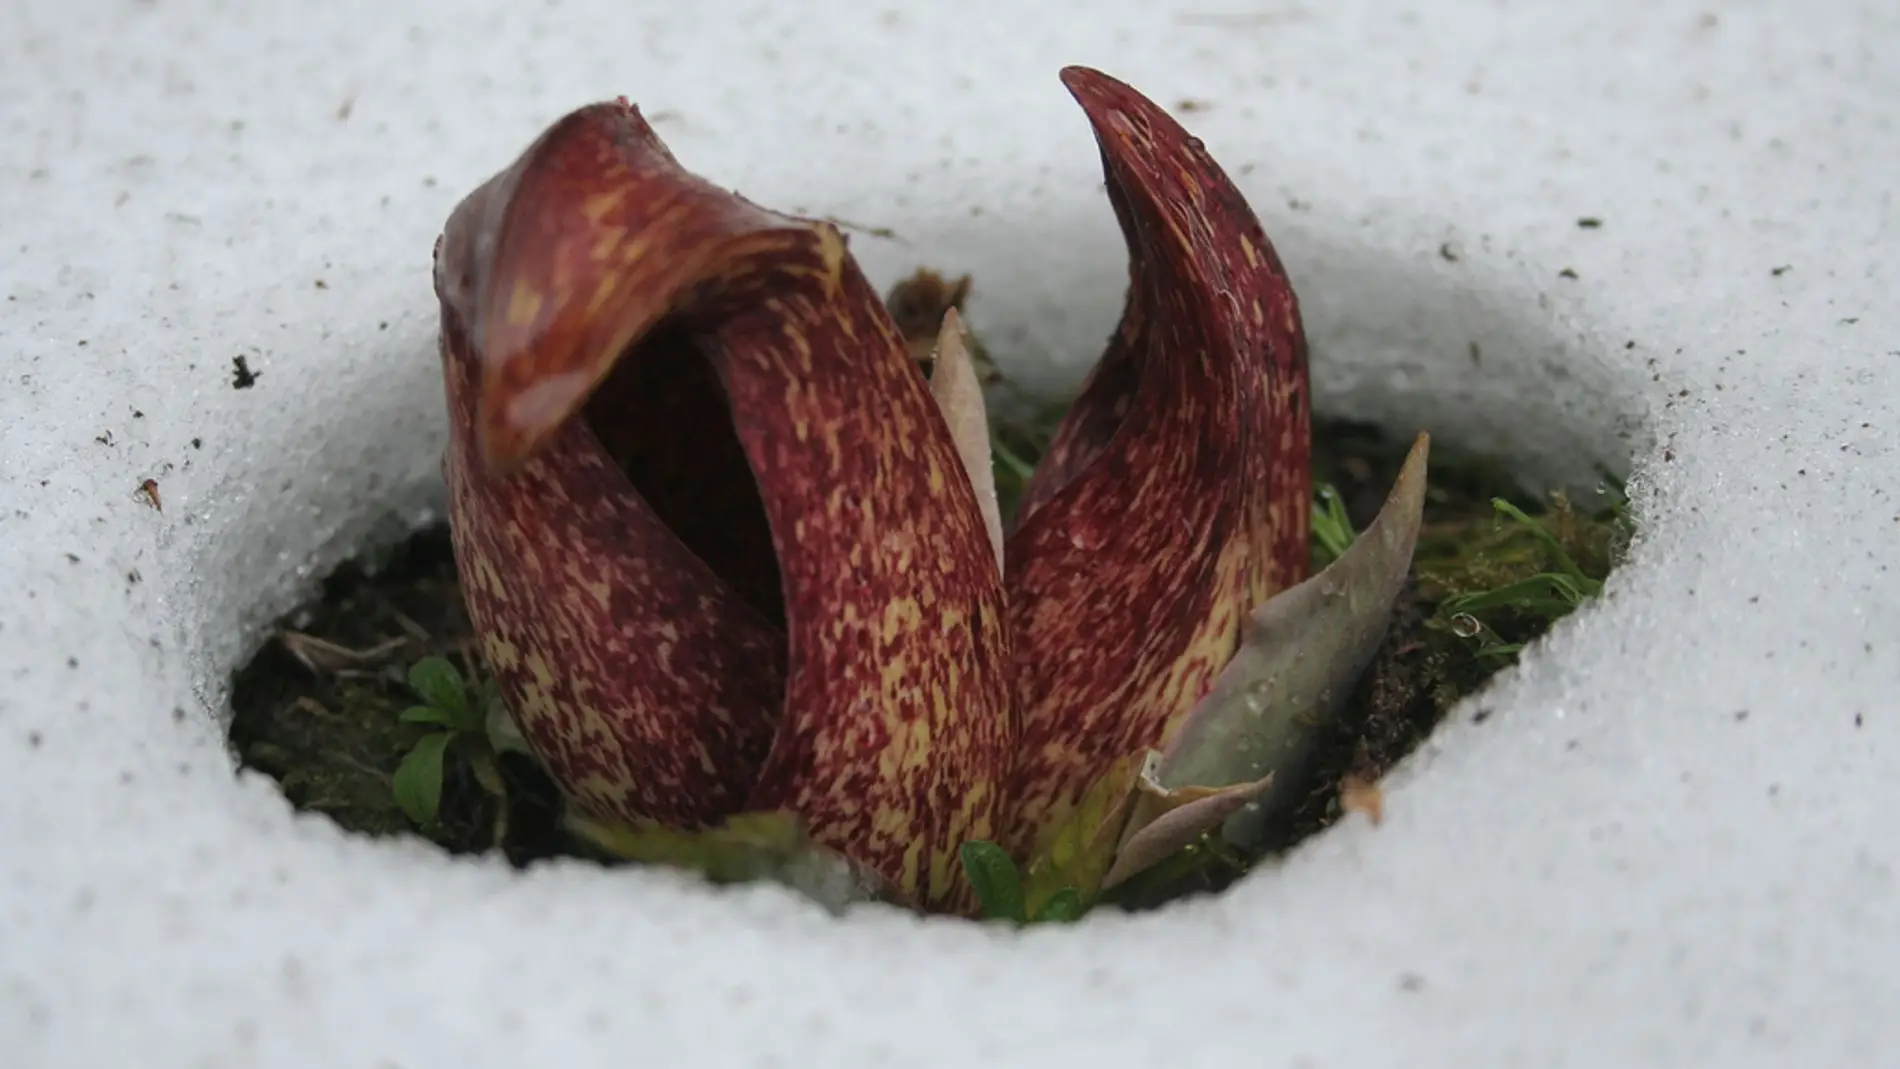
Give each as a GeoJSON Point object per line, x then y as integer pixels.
{"type": "Point", "coordinates": [1428, 662]}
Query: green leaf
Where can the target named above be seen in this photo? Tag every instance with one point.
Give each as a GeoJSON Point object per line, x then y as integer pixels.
{"type": "Point", "coordinates": [418, 780]}
{"type": "Point", "coordinates": [486, 696]}
{"type": "Point", "coordinates": [1300, 656]}
{"type": "Point", "coordinates": [498, 724]}
{"type": "Point", "coordinates": [998, 885]}
{"type": "Point", "coordinates": [429, 714]}
{"type": "Point", "coordinates": [1078, 852]}
{"type": "Point", "coordinates": [437, 683]}
{"type": "Point", "coordinates": [748, 846]}
{"type": "Point", "coordinates": [488, 774]}
{"type": "Point", "coordinates": [1063, 906]}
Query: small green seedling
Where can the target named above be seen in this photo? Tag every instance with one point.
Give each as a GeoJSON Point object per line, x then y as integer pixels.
{"type": "Point", "coordinates": [999, 888]}
{"type": "Point", "coordinates": [459, 714]}
{"type": "Point", "coordinates": [1332, 528]}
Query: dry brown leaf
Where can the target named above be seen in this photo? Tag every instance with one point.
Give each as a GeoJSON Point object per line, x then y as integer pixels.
{"type": "Point", "coordinates": [918, 304]}
{"type": "Point", "coordinates": [959, 396]}
{"type": "Point", "coordinates": [1362, 796]}
{"type": "Point", "coordinates": [322, 655]}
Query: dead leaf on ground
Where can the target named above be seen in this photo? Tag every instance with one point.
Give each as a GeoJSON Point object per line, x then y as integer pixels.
{"type": "Point", "coordinates": [306, 704]}
{"type": "Point", "coordinates": [323, 656]}
{"type": "Point", "coordinates": [919, 303]}
{"type": "Point", "coordinates": [1358, 795]}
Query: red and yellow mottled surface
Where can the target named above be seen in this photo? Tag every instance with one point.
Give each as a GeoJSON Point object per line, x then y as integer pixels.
{"type": "Point", "coordinates": [656, 681]}
{"type": "Point", "coordinates": [721, 548]}
{"type": "Point", "coordinates": [1175, 495]}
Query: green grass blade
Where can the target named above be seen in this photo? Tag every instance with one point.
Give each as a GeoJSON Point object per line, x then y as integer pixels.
{"type": "Point", "coordinates": [1017, 466]}
{"type": "Point", "coordinates": [1547, 594]}
{"type": "Point", "coordinates": [429, 714]}
{"type": "Point", "coordinates": [1562, 556]}
{"type": "Point", "coordinates": [1332, 528]}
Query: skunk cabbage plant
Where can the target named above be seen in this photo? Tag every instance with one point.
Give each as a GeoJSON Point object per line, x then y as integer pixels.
{"type": "Point", "coordinates": [730, 550]}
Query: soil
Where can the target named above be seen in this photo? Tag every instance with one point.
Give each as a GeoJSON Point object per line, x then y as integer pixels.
{"type": "Point", "coordinates": [330, 732]}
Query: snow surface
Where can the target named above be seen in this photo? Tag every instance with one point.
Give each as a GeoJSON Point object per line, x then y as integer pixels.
{"type": "Point", "coordinates": [1670, 842]}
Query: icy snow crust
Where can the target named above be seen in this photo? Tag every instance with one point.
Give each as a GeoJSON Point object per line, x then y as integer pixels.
{"type": "Point", "coordinates": [1670, 842]}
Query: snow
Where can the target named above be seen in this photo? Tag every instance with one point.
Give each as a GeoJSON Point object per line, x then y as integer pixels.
{"type": "Point", "coordinates": [1664, 840]}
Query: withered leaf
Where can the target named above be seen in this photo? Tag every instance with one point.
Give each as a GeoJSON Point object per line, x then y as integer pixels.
{"type": "Point", "coordinates": [959, 396]}
{"type": "Point", "coordinates": [324, 656]}
{"type": "Point", "coordinates": [1165, 819]}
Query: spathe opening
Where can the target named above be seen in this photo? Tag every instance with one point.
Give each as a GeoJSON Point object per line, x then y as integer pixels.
{"type": "Point", "coordinates": [663, 417]}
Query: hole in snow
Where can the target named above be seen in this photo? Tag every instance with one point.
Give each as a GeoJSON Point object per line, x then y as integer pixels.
{"type": "Point", "coordinates": [1520, 404]}
{"type": "Point", "coordinates": [1515, 413]}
